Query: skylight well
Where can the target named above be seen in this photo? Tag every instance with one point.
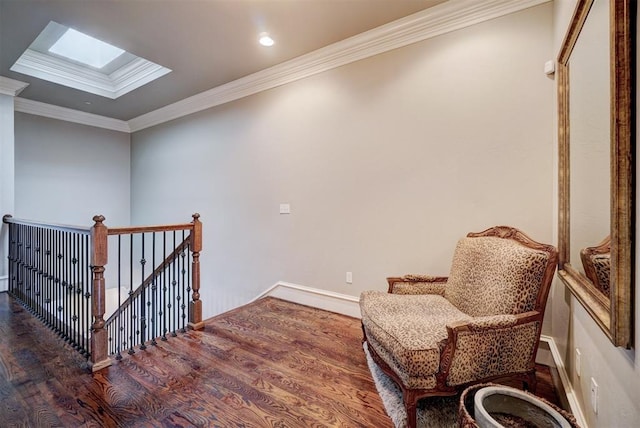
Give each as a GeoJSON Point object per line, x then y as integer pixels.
{"type": "Point", "coordinates": [85, 49]}
{"type": "Point", "coordinates": [71, 58]}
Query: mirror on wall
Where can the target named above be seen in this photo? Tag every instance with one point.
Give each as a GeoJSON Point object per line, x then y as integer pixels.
{"type": "Point", "coordinates": [596, 165]}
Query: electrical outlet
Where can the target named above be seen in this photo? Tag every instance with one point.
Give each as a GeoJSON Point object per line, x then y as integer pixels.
{"type": "Point", "coordinates": [594, 395]}
{"type": "Point", "coordinates": [349, 278]}
{"type": "Point", "coordinates": [578, 362]}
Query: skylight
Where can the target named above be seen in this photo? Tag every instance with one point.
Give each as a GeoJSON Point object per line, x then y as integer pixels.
{"type": "Point", "coordinates": [85, 49]}
{"type": "Point", "coordinates": [68, 57]}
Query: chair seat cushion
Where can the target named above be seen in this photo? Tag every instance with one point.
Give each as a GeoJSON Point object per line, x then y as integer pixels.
{"type": "Point", "coordinates": [410, 340]}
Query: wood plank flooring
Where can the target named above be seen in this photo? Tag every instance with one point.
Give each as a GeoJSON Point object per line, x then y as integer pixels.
{"type": "Point", "coordinates": [268, 364]}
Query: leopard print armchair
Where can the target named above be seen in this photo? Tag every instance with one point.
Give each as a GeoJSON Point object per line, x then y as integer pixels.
{"type": "Point", "coordinates": [437, 335]}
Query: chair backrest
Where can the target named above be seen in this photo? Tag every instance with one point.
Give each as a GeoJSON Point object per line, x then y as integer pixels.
{"type": "Point", "coordinates": [500, 271]}
{"type": "Point", "coordinates": [597, 265]}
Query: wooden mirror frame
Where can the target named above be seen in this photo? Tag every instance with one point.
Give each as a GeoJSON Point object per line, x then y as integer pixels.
{"type": "Point", "coordinates": [614, 314]}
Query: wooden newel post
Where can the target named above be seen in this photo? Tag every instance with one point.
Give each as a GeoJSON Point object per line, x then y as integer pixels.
{"type": "Point", "coordinates": [195, 312]}
{"type": "Point", "coordinates": [99, 338]}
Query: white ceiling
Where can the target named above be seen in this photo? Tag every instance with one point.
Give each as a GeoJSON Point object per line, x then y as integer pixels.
{"type": "Point", "coordinates": [206, 43]}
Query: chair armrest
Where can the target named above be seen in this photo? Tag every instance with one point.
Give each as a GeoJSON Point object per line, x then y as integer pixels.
{"type": "Point", "coordinates": [494, 322]}
{"type": "Point", "coordinates": [490, 347]}
{"type": "Point", "coordinates": [417, 284]}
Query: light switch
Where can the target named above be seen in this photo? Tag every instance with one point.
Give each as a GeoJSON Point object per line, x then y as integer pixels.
{"type": "Point", "coordinates": [285, 209]}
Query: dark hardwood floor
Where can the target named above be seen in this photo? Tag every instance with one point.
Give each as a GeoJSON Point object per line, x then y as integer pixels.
{"type": "Point", "coordinates": [268, 364]}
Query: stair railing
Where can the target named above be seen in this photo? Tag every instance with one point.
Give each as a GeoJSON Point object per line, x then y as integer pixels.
{"type": "Point", "coordinates": [49, 272]}
{"type": "Point", "coordinates": [58, 273]}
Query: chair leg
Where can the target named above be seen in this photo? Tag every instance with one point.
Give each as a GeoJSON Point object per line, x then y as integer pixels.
{"type": "Point", "coordinates": [531, 383]}
{"type": "Point", "coordinates": [410, 405]}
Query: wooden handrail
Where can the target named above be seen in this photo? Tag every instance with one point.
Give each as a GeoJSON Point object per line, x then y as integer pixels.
{"type": "Point", "coordinates": [147, 229]}
{"type": "Point", "coordinates": [145, 284]}
{"type": "Point", "coordinates": [9, 219]}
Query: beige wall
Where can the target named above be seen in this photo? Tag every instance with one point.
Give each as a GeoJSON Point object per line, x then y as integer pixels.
{"type": "Point", "coordinates": [386, 162]}
{"type": "Point", "coordinates": [616, 370]}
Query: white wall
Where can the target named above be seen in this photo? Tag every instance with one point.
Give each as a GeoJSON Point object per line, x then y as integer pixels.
{"type": "Point", "coordinates": [7, 189]}
{"type": "Point", "coordinates": [67, 173]}
{"type": "Point", "coordinates": [616, 370]}
{"type": "Point", "coordinates": [386, 163]}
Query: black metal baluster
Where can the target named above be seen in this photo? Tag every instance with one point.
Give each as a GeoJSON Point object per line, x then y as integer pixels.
{"type": "Point", "coordinates": [164, 288]}
{"type": "Point", "coordinates": [28, 264]}
{"type": "Point", "coordinates": [38, 268]}
{"type": "Point", "coordinates": [79, 292]}
{"type": "Point", "coordinates": [60, 286]}
{"type": "Point", "coordinates": [51, 284]}
{"type": "Point", "coordinates": [81, 269]}
{"type": "Point", "coordinates": [18, 227]}
{"type": "Point", "coordinates": [131, 312]}
{"type": "Point", "coordinates": [55, 303]}
{"type": "Point", "coordinates": [47, 292]}
{"type": "Point", "coordinates": [44, 286]}
{"type": "Point", "coordinates": [143, 300]}
{"type": "Point", "coordinates": [49, 289]}
{"type": "Point", "coordinates": [73, 296]}
{"type": "Point", "coordinates": [188, 296]}
{"type": "Point", "coordinates": [11, 270]}
{"type": "Point", "coordinates": [25, 263]}
{"type": "Point", "coordinates": [173, 289]}
{"type": "Point", "coordinates": [65, 286]}
{"type": "Point", "coordinates": [76, 287]}
{"type": "Point", "coordinates": [87, 311]}
{"type": "Point", "coordinates": [61, 272]}
{"type": "Point", "coordinates": [119, 342]}
{"type": "Point", "coordinates": [25, 250]}
{"type": "Point", "coordinates": [68, 305]}
{"type": "Point", "coordinates": [18, 254]}
{"type": "Point", "coordinates": [154, 288]}
{"type": "Point", "coordinates": [181, 299]}
{"type": "Point", "coordinates": [37, 278]}
{"type": "Point", "coordinates": [21, 263]}
{"type": "Point", "coordinates": [31, 264]}
{"type": "Point", "coordinates": [53, 293]}
{"type": "Point", "coordinates": [26, 279]}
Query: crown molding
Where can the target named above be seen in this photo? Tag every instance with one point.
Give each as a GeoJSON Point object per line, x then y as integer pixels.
{"type": "Point", "coordinates": [446, 17]}
{"type": "Point", "coordinates": [53, 69]}
{"type": "Point", "coordinates": [70, 115]}
{"type": "Point", "coordinates": [11, 87]}
{"type": "Point", "coordinates": [443, 18]}
{"type": "Point", "coordinates": [137, 73]}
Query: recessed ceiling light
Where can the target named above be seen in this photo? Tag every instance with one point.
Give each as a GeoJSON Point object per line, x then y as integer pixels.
{"type": "Point", "coordinates": [265, 40]}
{"type": "Point", "coordinates": [85, 49]}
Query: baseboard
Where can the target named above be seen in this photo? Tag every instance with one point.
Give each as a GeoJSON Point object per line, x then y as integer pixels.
{"type": "Point", "coordinates": [315, 297]}
{"type": "Point", "coordinates": [4, 283]}
{"type": "Point", "coordinates": [564, 378]}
